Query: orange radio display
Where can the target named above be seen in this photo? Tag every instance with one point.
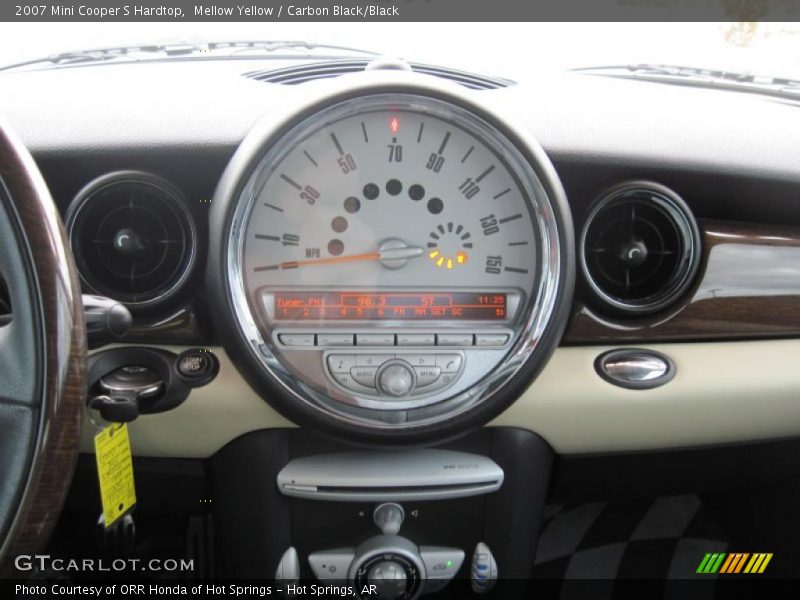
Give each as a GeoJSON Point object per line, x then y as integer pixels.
{"type": "Point", "coordinates": [467, 306]}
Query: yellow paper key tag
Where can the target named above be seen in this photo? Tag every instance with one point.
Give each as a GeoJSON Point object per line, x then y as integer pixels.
{"type": "Point", "coordinates": [112, 450]}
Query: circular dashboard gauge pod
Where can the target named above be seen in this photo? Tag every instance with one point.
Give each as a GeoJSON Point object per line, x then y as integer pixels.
{"type": "Point", "coordinates": [390, 218]}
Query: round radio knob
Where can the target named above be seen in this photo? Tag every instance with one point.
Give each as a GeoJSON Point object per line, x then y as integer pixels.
{"type": "Point", "coordinates": [396, 379]}
{"type": "Point", "coordinates": [389, 579]}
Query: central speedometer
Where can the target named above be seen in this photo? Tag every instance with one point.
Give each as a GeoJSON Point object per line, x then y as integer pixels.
{"type": "Point", "coordinates": [391, 195]}
{"type": "Point", "coordinates": [393, 260]}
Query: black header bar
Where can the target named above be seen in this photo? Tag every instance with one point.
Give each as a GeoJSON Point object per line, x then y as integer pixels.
{"type": "Point", "coordinates": [397, 10]}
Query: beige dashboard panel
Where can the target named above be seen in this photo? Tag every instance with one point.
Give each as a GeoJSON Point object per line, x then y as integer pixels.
{"type": "Point", "coordinates": [723, 392]}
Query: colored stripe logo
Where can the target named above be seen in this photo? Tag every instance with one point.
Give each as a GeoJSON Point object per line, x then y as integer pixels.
{"type": "Point", "coordinates": [734, 563]}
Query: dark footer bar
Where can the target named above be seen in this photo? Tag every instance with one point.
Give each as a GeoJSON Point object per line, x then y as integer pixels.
{"type": "Point", "coordinates": [539, 589]}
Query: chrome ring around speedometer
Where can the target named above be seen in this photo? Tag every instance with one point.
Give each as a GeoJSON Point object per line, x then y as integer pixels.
{"type": "Point", "coordinates": [395, 259]}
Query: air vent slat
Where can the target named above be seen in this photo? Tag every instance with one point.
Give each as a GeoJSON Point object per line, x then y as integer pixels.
{"type": "Point", "coordinates": [297, 75]}
{"type": "Point", "coordinates": [5, 303]}
{"type": "Point", "coordinates": [640, 248]}
{"type": "Point", "coordinates": [132, 237]}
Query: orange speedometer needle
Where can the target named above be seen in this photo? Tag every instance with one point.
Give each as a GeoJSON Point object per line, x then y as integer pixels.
{"type": "Point", "coordinates": [334, 259]}
{"type": "Point", "coordinates": [403, 253]}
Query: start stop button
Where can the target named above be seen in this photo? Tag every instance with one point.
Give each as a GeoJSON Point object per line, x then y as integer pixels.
{"type": "Point", "coordinates": [197, 366]}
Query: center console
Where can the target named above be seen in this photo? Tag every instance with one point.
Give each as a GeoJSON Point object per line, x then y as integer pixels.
{"type": "Point", "coordinates": [303, 509]}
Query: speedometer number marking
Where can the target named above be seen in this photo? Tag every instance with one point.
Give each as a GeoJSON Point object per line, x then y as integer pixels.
{"type": "Point", "coordinates": [494, 264]}
{"type": "Point", "coordinates": [290, 239]}
{"type": "Point", "coordinates": [395, 151]}
{"type": "Point", "coordinates": [469, 188]}
{"type": "Point", "coordinates": [489, 225]}
{"type": "Point", "coordinates": [310, 195]}
{"type": "Point", "coordinates": [435, 162]}
{"type": "Point", "coordinates": [345, 161]}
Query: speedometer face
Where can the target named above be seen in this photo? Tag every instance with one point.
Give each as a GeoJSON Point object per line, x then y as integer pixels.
{"type": "Point", "coordinates": [412, 199]}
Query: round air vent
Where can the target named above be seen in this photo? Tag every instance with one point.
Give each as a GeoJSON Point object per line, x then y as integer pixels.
{"type": "Point", "coordinates": [132, 237]}
{"type": "Point", "coordinates": [640, 248]}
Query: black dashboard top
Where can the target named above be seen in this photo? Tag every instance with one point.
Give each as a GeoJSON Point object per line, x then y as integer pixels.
{"type": "Point", "coordinates": [107, 108]}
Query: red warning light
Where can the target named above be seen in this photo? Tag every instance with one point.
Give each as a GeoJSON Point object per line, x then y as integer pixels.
{"type": "Point", "coordinates": [394, 125]}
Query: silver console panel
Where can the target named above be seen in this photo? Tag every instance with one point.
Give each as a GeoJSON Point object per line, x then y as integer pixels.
{"type": "Point", "coordinates": [428, 569]}
{"type": "Point", "coordinates": [412, 475]}
{"type": "Point", "coordinates": [428, 371]}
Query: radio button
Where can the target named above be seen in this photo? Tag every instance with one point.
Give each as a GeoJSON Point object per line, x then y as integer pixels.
{"type": "Point", "coordinates": [346, 381]}
{"type": "Point", "coordinates": [372, 360]}
{"type": "Point", "coordinates": [447, 378]}
{"type": "Point", "coordinates": [341, 363]}
{"type": "Point", "coordinates": [491, 339]}
{"type": "Point", "coordinates": [449, 363]}
{"type": "Point", "coordinates": [364, 375]}
{"type": "Point", "coordinates": [334, 339]}
{"type": "Point", "coordinates": [416, 339]}
{"type": "Point", "coordinates": [375, 339]}
{"type": "Point", "coordinates": [441, 563]}
{"type": "Point", "coordinates": [442, 381]}
{"type": "Point", "coordinates": [427, 375]}
{"type": "Point", "coordinates": [296, 339]}
{"type": "Point", "coordinates": [332, 565]}
{"type": "Point", "coordinates": [454, 339]}
{"type": "Point", "coordinates": [419, 360]}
